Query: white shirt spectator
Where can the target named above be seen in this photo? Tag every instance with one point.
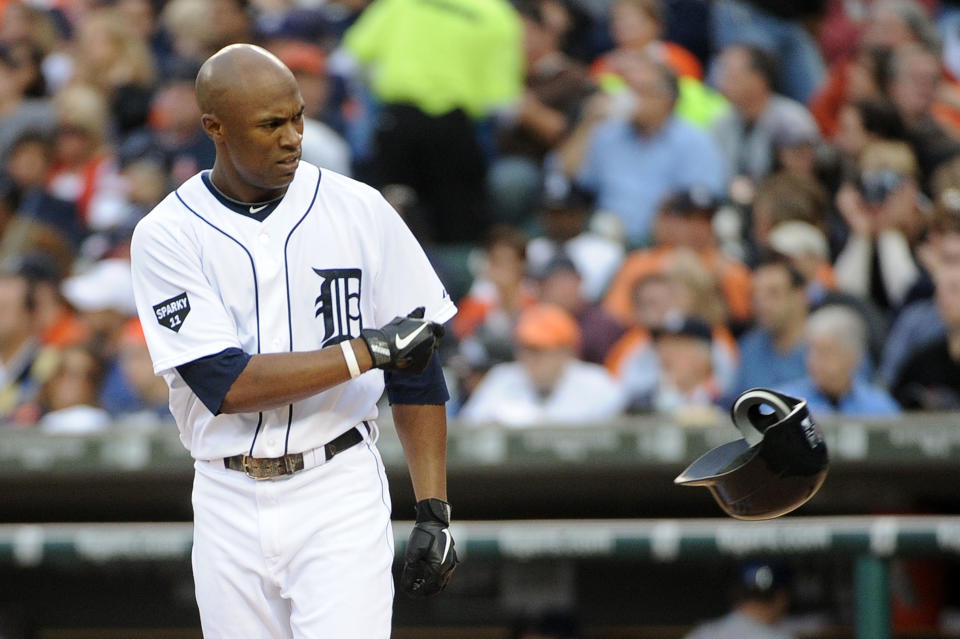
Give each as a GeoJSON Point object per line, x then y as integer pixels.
{"type": "Point", "coordinates": [585, 393]}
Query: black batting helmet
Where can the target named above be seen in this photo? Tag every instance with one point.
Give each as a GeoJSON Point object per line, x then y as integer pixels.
{"type": "Point", "coordinates": [778, 466]}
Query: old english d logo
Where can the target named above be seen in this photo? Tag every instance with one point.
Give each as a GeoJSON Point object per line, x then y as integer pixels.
{"type": "Point", "coordinates": [172, 312]}
{"type": "Point", "coordinates": [339, 304]}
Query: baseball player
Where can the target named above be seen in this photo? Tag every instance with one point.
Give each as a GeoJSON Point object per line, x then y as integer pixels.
{"type": "Point", "coordinates": [260, 285]}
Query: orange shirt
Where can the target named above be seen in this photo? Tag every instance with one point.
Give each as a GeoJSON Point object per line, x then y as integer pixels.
{"type": "Point", "coordinates": [733, 277]}
{"type": "Point", "coordinates": [639, 338]}
{"type": "Point", "coordinates": [66, 331]}
{"type": "Point", "coordinates": [473, 309]}
{"type": "Point", "coordinates": [678, 58]}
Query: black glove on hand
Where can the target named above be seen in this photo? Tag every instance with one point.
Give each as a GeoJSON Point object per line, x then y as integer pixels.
{"type": "Point", "coordinates": [430, 558]}
{"type": "Point", "coordinates": [405, 344]}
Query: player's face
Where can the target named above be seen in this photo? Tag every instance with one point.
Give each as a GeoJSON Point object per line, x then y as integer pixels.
{"type": "Point", "coordinates": [261, 138]}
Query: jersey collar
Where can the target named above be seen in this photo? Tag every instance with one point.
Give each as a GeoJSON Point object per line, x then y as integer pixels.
{"type": "Point", "coordinates": [257, 210]}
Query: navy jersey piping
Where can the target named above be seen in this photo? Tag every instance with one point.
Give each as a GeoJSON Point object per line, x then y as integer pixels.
{"type": "Point", "coordinates": [256, 294]}
{"type": "Point", "coordinates": [286, 274]}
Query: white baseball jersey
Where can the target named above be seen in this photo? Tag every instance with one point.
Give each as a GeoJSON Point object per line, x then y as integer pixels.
{"type": "Point", "coordinates": [333, 257]}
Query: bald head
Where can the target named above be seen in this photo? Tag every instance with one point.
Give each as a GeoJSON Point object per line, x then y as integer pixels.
{"type": "Point", "coordinates": [238, 72]}
{"type": "Point", "coordinates": [253, 112]}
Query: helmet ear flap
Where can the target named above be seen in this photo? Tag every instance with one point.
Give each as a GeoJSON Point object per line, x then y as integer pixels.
{"type": "Point", "coordinates": [777, 466]}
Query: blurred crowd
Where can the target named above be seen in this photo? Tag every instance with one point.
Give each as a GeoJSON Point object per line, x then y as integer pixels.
{"type": "Point", "coordinates": [640, 206]}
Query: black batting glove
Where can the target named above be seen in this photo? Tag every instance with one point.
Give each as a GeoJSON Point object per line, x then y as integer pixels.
{"type": "Point", "coordinates": [403, 345]}
{"type": "Point", "coordinates": [430, 558]}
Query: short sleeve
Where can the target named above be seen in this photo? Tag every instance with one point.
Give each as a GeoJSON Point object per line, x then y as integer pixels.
{"type": "Point", "coordinates": [405, 278]}
{"type": "Point", "coordinates": [182, 315]}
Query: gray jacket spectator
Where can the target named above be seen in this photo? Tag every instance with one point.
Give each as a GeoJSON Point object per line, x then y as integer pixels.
{"type": "Point", "coordinates": [759, 117]}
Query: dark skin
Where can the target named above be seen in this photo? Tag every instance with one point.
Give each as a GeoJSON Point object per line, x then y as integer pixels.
{"type": "Point", "coordinates": [253, 112]}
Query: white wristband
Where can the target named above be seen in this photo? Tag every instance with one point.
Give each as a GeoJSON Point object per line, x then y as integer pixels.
{"type": "Point", "coordinates": [351, 358]}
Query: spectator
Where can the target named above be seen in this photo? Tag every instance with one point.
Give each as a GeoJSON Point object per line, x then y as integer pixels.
{"type": "Point", "coordinates": [150, 395]}
{"type": "Point", "coordinates": [488, 312]}
{"type": "Point", "coordinates": [199, 28]}
{"type": "Point", "coordinates": [777, 27]}
{"type": "Point", "coordinates": [919, 323]}
{"type": "Point", "coordinates": [18, 113]}
{"type": "Point", "coordinates": [864, 121]}
{"type": "Point", "coordinates": [683, 224]}
{"type": "Point", "coordinates": [28, 60]}
{"type": "Point", "coordinates": [560, 284]}
{"type": "Point", "coordinates": [57, 325]}
{"type": "Point", "coordinates": [637, 25]}
{"type": "Point", "coordinates": [915, 80]}
{"type": "Point", "coordinates": [564, 217]}
{"type": "Point", "coordinates": [84, 170]}
{"type": "Point", "coordinates": [321, 145]}
{"type": "Point", "coordinates": [886, 222]}
{"type": "Point", "coordinates": [437, 75]}
{"type": "Point", "coordinates": [70, 396]}
{"type": "Point", "coordinates": [761, 598]}
{"type": "Point", "coordinates": [893, 23]}
{"type": "Point", "coordinates": [23, 23]}
{"type": "Point", "coordinates": [687, 387]}
{"type": "Point", "coordinates": [773, 352]}
{"type": "Point", "coordinates": [860, 79]}
{"type": "Point", "coordinates": [111, 57]}
{"type": "Point", "coordinates": [747, 78]}
{"type": "Point", "coordinates": [141, 16]}
{"type": "Point", "coordinates": [547, 384]}
{"type": "Point", "coordinates": [20, 233]}
{"type": "Point", "coordinates": [103, 298]}
{"type": "Point", "coordinates": [806, 246]}
{"type": "Point", "coordinates": [633, 163]}
{"type": "Point", "coordinates": [173, 138]}
{"type": "Point", "coordinates": [24, 364]}
{"type": "Point", "coordinates": [929, 378]}
{"type": "Point", "coordinates": [684, 289]}
{"type": "Point", "coordinates": [837, 345]}
{"type": "Point", "coordinates": [785, 197]}
{"type": "Point", "coordinates": [555, 90]}
{"type": "Point", "coordinates": [187, 23]}
{"type": "Point", "coordinates": [795, 149]}
{"type": "Point", "coordinates": [497, 296]}
{"type": "Point", "coordinates": [28, 164]}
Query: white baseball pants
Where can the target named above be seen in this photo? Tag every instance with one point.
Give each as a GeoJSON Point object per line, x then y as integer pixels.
{"type": "Point", "coordinates": [305, 556]}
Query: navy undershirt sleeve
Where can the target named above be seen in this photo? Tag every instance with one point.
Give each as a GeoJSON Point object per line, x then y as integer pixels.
{"type": "Point", "coordinates": [212, 376]}
{"type": "Point", "coordinates": [427, 388]}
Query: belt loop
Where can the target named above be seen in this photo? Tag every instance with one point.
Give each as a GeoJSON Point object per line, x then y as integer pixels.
{"type": "Point", "coordinates": [373, 431]}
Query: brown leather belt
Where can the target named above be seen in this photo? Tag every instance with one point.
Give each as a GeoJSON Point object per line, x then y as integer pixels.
{"type": "Point", "coordinates": [269, 467]}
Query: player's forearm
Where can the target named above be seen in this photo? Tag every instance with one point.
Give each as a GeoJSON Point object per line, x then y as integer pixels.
{"type": "Point", "coordinates": [422, 430]}
{"type": "Point", "coordinates": [271, 380]}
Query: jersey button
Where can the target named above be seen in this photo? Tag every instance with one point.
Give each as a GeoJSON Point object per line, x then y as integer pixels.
{"type": "Point", "coordinates": [264, 238]}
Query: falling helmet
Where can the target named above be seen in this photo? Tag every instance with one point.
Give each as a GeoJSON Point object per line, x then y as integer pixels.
{"type": "Point", "coordinates": [776, 467]}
